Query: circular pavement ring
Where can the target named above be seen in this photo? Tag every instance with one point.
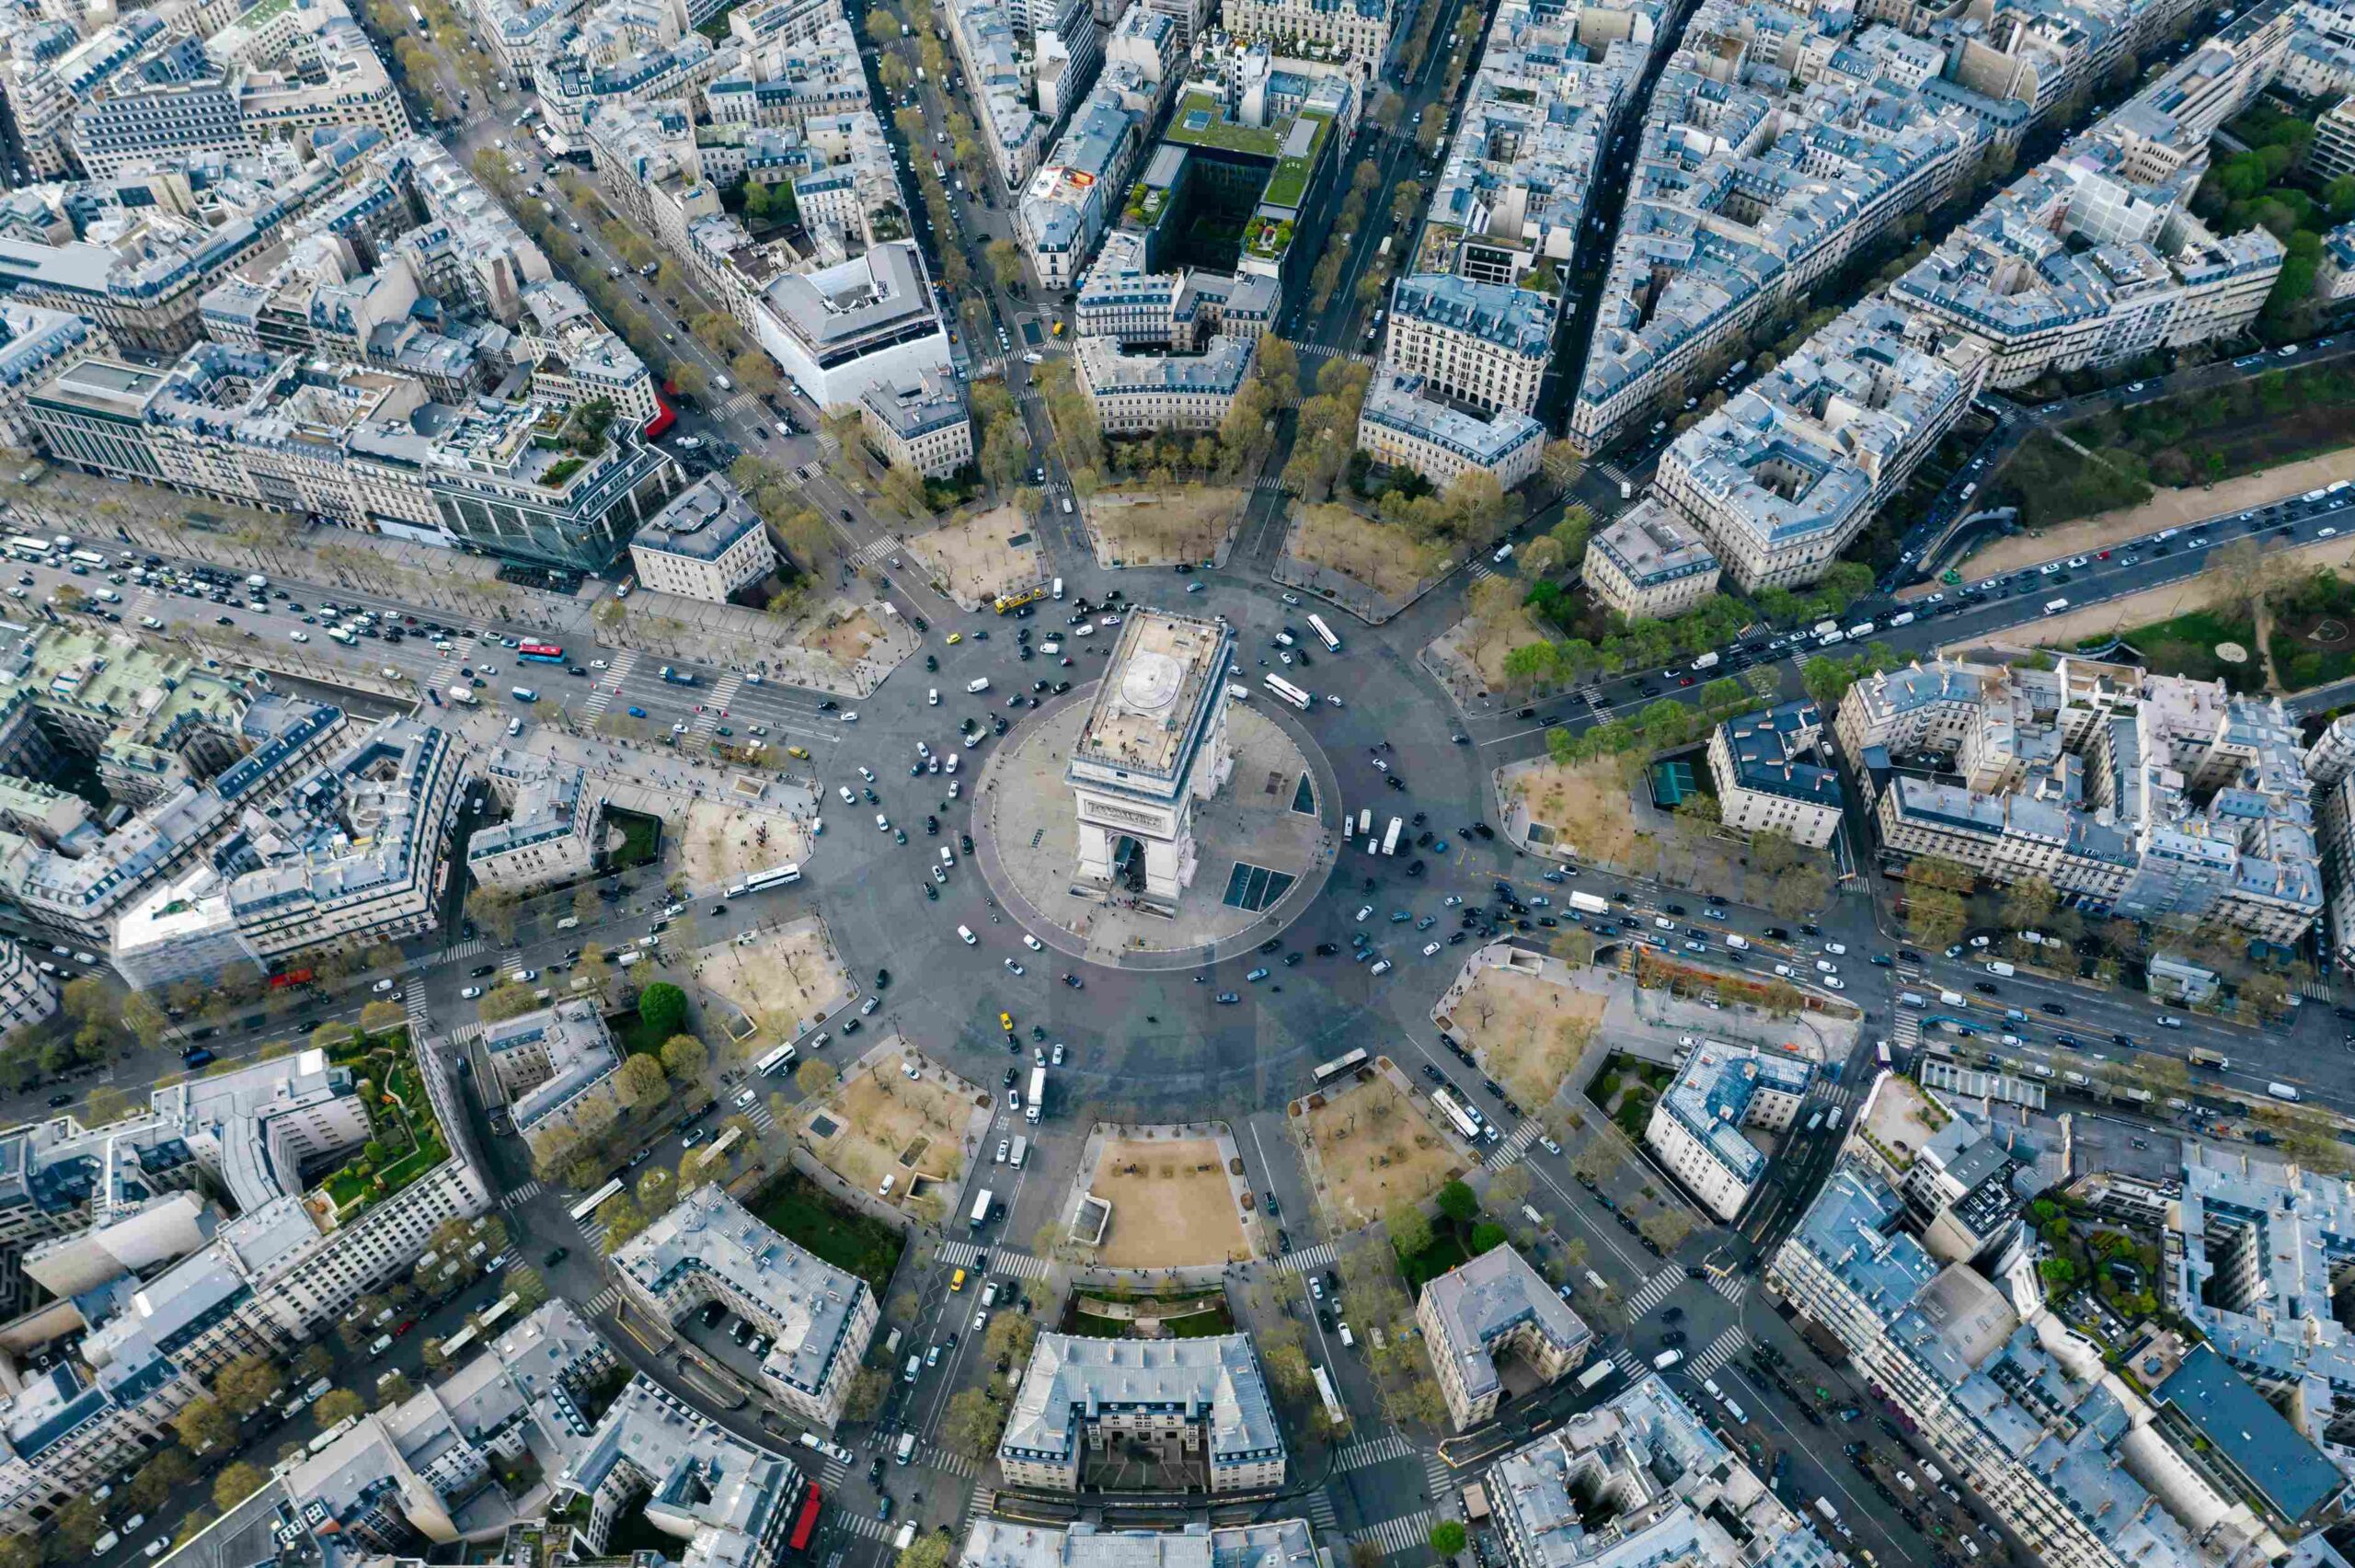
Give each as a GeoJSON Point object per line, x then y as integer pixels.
{"type": "Point", "coordinates": [1060, 939]}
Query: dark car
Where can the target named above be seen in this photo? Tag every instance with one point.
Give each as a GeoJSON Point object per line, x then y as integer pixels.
{"type": "Point", "coordinates": [480, 970]}
{"type": "Point", "coordinates": [1327, 949]}
{"type": "Point", "coordinates": [557, 1256]}
{"type": "Point", "coordinates": [56, 1099]}
{"type": "Point", "coordinates": [2055, 1008]}
{"type": "Point", "coordinates": [1271, 944]}
{"type": "Point", "coordinates": [883, 979]}
{"type": "Point", "coordinates": [1434, 1074]}
{"type": "Point", "coordinates": [1984, 989]}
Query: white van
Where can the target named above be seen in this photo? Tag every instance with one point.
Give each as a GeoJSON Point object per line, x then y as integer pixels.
{"type": "Point", "coordinates": [970, 939]}
{"type": "Point", "coordinates": [1066, 505]}
{"type": "Point", "coordinates": [2054, 606]}
{"type": "Point", "coordinates": [977, 685]}
{"type": "Point", "coordinates": [932, 697]}
{"type": "Point", "coordinates": [1666, 1359]}
{"type": "Point", "coordinates": [1059, 587]}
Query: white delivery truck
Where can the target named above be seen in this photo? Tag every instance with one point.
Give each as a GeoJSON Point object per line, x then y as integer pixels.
{"type": "Point", "coordinates": [1590, 904]}
{"type": "Point", "coordinates": [1707, 661]}
{"type": "Point", "coordinates": [464, 695]}
{"type": "Point", "coordinates": [907, 1448]}
{"type": "Point", "coordinates": [1997, 967]}
{"type": "Point", "coordinates": [980, 1209]}
{"type": "Point", "coordinates": [2281, 1091]}
{"type": "Point", "coordinates": [1031, 1109]}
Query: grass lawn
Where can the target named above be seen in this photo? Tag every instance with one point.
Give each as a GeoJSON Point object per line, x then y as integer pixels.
{"type": "Point", "coordinates": [635, 1038]}
{"type": "Point", "coordinates": [404, 1126]}
{"type": "Point", "coordinates": [2187, 645]}
{"type": "Point", "coordinates": [1444, 1253]}
{"type": "Point", "coordinates": [795, 1209]}
{"type": "Point", "coordinates": [2313, 633]}
{"type": "Point", "coordinates": [641, 838]}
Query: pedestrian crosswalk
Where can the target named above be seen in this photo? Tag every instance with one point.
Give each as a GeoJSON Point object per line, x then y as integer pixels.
{"type": "Point", "coordinates": [1320, 1512]}
{"type": "Point", "coordinates": [609, 682]}
{"type": "Point", "coordinates": [523, 1194]}
{"type": "Point", "coordinates": [1655, 1290]}
{"type": "Point", "coordinates": [758, 1113]}
{"type": "Point", "coordinates": [876, 554]}
{"type": "Point", "coordinates": [1437, 1478]}
{"type": "Point", "coordinates": [1482, 570]}
{"type": "Point", "coordinates": [604, 1300]}
{"type": "Point", "coordinates": [1630, 1365]}
{"type": "Point", "coordinates": [1404, 1533]}
{"type": "Point", "coordinates": [1514, 1148]}
{"type": "Point", "coordinates": [413, 998]}
{"type": "Point", "coordinates": [723, 694]}
{"type": "Point", "coordinates": [939, 1458]}
{"type": "Point", "coordinates": [1722, 1349]}
{"type": "Point", "coordinates": [1905, 1029]}
{"type": "Point", "coordinates": [1321, 1255]}
{"type": "Point", "coordinates": [1732, 1286]}
{"type": "Point", "coordinates": [1269, 483]}
{"type": "Point", "coordinates": [743, 403]}
{"type": "Point", "coordinates": [592, 1229]}
{"type": "Point", "coordinates": [1022, 1265]}
{"type": "Point", "coordinates": [465, 948]}
{"type": "Point", "coordinates": [864, 1525]}
{"type": "Point", "coordinates": [1613, 473]}
{"type": "Point", "coordinates": [1326, 351]}
{"type": "Point", "coordinates": [1373, 1451]}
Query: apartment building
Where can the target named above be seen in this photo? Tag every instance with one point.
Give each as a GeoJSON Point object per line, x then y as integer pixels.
{"type": "Point", "coordinates": [1785, 475]}
{"type": "Point", "coordinates": [1765, 783]}
{"type": "Point", "coordinates": [815, 1317]}
{"type": "Point", "coordinates": [1484, 345]}
{"type": "Point", "coordinates": [1480, 1312]}
{"type": "Point", "coordinates": [554, 829]}
{"type": "Point", "coordinates": [1649, 564]}
{"type": "Point", "coordinates": [2332, 152]}
{"type": "Point", "coordinates": [2008, 1399]}
{"type": "Point", "coordinates": [1355, 31]}
{"type": "Point", "coordinates": [1200, 1404]}
{"type": "Point", "coordinates": [999, 1543]}
{"type": "Point", "coordinates": [1076, 191]}
{"type": "Point", "coordinates": [1402, 423]}
{"type": "Point", "coordinates": [1777, 142]}
{"type": "Point", "coordinates": [27, 996]}
{"type": "Point", "coordinates": [1697, 1127]}
{"type": "Point", "coordinates": [921, 424]}
{"type": "Point", "coordinates": [1180, 310]}
{"type": "Point", "coordinates": [993, 52]}
{"type": "Point", "coordinates": [729, 1504]}
{"type": "Point", "coordinates": [868, 322]}
{"type": "Point", "coordinates": [1137, 394]}
{"type": "Point", "coordinates": [2153, 797]}
{"type": "Point", "coordinates": [708, 543]}
{"type": "Point", "coordinates": [1642, 1479]}
{"type": "Point", "coordinates": [558, 1069]}
{"type": "Point", "coordinates": [362, 447]}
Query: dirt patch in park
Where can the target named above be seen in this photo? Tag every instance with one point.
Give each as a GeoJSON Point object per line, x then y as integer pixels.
{"type": "Point", "coordinates": [720, 844]}
{"type": "Point", "coordinates": [1584, 807]}
{"type": "Point", "coordinates": [1382, 557]}
{"type": "Point", "coordinates": [884, 1122]}
{"type": "Point", "coordinates": [1527, 1030]}
{"type": "Point", "coordinates": [1478, 651]}
{"type": "Point", "coordinates": [845, 640]}
{"type": "Point", "coordinates": [972, 559]}
{"type": "Point", "coordinates": [1374, 1147]}
{"type": "Point", "coordinates": [1172, 1207]}
{"type": "Point", "coordinates": [783, 979]}
{"type": "Point", "coordinates": [1160, 528]}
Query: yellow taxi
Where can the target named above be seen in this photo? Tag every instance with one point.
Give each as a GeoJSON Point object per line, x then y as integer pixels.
{"type": "Point", "coordinates": [956, 637]}
{"type": "Point", "coordinates": [1005, 1021]}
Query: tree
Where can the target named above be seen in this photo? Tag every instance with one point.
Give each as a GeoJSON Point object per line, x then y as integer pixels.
{"type": "Point", "coordinates": [205, 1423]}
{"type": "Point", "coordinates": [622, 1219]}
{"type": "Point", "coordinates": [246, 1384]}
{"type": "Point", "coordinates": [153, 1485]}
{"type": "Point", "coordinates": [1446, 1537]}
{"type": "Point", "coordinates": [1508, 1188]}
{"type": "Point", "coordinates": [1410, 1230]}
{"type": "Point", "coordinates": [870, 1387]}
{"type": "Point", "coordinates": [662, 1009]}
{"type": "Point", "coordinates": [1405, 201]}
{"type": "Point", "coordinates": [314, 1363]}
{"type": "Point", "coordinates": [494, 910]}
{"type": "Point", "coordinates": [815, 1080]}
{"type": "Point", "coordinates": [394, 1390]}
{"type": "Point", "coordinates": [75, 1527]}
{"type": "Point", "coordinates": [972, 1424]}
{"type": "Point", "coordinates": [929, 1550]}
{"type": "Point", "coordinates": [1933, 916]}
{"type": "Point", "coordinates": [642, 1082]}
{"type": "Point", "coordinates": [1458, 1202]}
{"type": "Point", "coordinates": [1668, 1228]}
{"type": "Point", "coordinates": [1367, 1553]}
{"type": "Point", "coordinates": [684, 1057]}
{"type": "Point", "coordinates": [1004, 262]}
{"type": "Point", "coordinates": [2029, 902]}
{"type": "Point", "coordinates": [147, 1023]}
{"type": "Point", "coordinates": [20, 1551]}
{"type": "Point", "coordinates": [235, 1484]}
{"type": "Point", "coordinates": [656, 1185]}
{"type": "Point", "coordinates": [383, 1017]}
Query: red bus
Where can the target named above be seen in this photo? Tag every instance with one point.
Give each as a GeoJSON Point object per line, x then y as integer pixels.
{"type": "Point", "coordinates": [290, 978]}
{"type": "Point", "coordinates": [660, 424]}
{"type": "Point", "coordinates": [805, 1524]}
{"type": "Point", "coordinates": [540, 653]}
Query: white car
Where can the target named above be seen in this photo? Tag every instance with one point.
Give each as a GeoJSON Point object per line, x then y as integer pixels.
{"type": "Point", "coordinates": [1429, 948]}
{"type": "Point", "coordinates": [848, 798]}
{"type": "Point", "coordinates": [850, 719]}
{"type": "Point", "coordinates": [1002, 1147]}
{"type": "Point", "coordinates": [867, 774]}
{"type": "Point", "coordinates": [1834, 982]}
{"type": "Point", "coordinates": [596, 664]}
{"type": "Point", "coordinates": [1551, 1147]}
{"type": "Point", "coordinates": [1032, 943]}
{"type": "Point", "coordinates": [1013, 969]}
{"type": "Point", "coordinates": [1363, 911]}
{"type": "Point", "coordinates": [299, 634]}
{"type": "Point", "coordinates": [1837, 949]}
{"type": "Point", "coordinates": [882, 823]}
{"type": "Point", "coordinates": [471, 992]}
{"type": "Point", "coordinates": [151, 622]}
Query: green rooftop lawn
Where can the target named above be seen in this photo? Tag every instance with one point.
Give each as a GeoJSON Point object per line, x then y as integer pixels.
{"type": "Point", "coordinates": [404, 1127]}
{"type": "Point", "coordinates": [1221, 132]}
{"type": "Point", "coordinates": [1288, 187]}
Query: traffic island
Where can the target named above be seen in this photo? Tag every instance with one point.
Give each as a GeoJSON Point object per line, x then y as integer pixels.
{"type": "Point", "coordinates": [1193, 525]}
{"type": "Point", "coordinates": [1369, 1145]}
{"type": "Point", "coordinates": [782, 981]}
{"type": "Point", "coordinates": [976, 558]}
{"type": "Point", "coordinates": [1264, 844]}
{"type": "Point", "coordinates": [1150, 1199]}
{"type": "Point", "coordinates": [880, 1125]}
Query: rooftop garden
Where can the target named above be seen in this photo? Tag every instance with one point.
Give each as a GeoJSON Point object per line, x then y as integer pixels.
{"type": "Point", "coordinates": [406, 1140]}
{"type": "Point", "coordinates": [562, 469]}
{"type": "Point", "coordinates": [1145, 203]}
{"type": "Point", "coordinates": [1269, 238]}
{"type": "Point", "coordinates": [1201, 121]}
{"type": "Point", "coordinates": [1288, 187]}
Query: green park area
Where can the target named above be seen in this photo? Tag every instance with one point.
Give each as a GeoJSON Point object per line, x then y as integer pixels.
{"type": "Point", "coordinates": [797, 1209]}
{"type": "Point", "coordinates": [406, 1141]}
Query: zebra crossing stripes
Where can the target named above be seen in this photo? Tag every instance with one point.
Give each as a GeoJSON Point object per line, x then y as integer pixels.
{"type": "Point", "coordinates": [1630, 1365]}
{"type": "Point", "coordinates": [876, 553]}
{"type": "Point", "coordinates": [592, 1229]}
{"type": "Point", "coordinates": [1514, 1148]}
{"type": "Point", "coordinates": [866, 1524]}
{"type": "Point", "coordinates": [1022, 1265]}
{"type": "Point", "coordinates": [1722, 1349]}
{"type": "Point", "coordinates": [1437, 1478]}
{"type": "Point", "coordinates": [1482, 570]}
{"type": "Point", "coordinates": [465, 947]}
{"type": "Point", "coordinates": [609, 682]}
{"type": "Point", "coordinates": [723, 694]}
{"type": "Point", "coordinates": [413, 1000]}
{"type": "Point", "coordinates": [939, 1458]}
{"type": "Point", "coordinates": [743, 403]}
{"type": "Point", "coordinates": [831, 1471]}
{"type": "Point", "coordinates": [1404, 1533]}
{"type": "Point", "coordinates": [1268, 483]}
{"type": "Point", "coordinates": [983, 1504]}
{"type": "Point", "coordinates": [758, 1114]}
{"type": "Point", "coordinates": [1732, 1286]}
{"type": "Point", "coordinates": [1321, 1255]}
{"type": "Point", "coordinates": [523, 1194]}
{"type": "Point", "coordinates": [1320, 1512]}
{"type": "Point", "coordinates": [1613, 473]}
{"type": "Point", "coordinates": [1373, 1451]}
{"type": "Point", "coordinates": [1655, 1292]}
{"type": "Point", "coordinates": [604, 1300]}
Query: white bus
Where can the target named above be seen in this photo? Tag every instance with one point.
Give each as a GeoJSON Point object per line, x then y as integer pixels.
{"type": "Point", "coordinates": [1457, 1116]}
{"type": "Point", "coordinates": [776, 1061]}
{"type": "Point", "coordinates": [496, 1310]}
{"type": "Point", "coordinates": [1324, 634]}
{"type": "Point", "coordinates": [90, 558]}
{"type": "Point", "coordinates": [1333, 1412]}
{"type": "Point", "coordinates": [25, 547]}
{"type": "Point", "coordinates": [590, 1205]}
{"type": "Point", "coordinates": [1287, 691]}
{"type": "Point", "coordinates": [774, 876]}
{"type": "Point", "coordinates": [1601, 1369]}
{"type": "Point", "coordinates": [1390, 835]}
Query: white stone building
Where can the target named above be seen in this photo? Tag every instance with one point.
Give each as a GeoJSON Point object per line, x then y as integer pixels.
{"type": "Point", "coordinates": [1154, 744]}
